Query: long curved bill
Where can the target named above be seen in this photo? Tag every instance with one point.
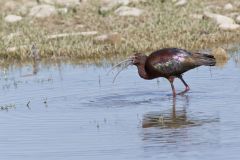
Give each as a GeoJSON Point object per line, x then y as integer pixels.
{"type": "Point", "coordinates": [123, 64]}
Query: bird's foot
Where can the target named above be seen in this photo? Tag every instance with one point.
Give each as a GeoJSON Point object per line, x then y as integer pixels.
{"type": "Point", "coordinates": [185, 91]}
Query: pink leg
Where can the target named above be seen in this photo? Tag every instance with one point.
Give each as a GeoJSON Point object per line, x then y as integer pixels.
{"type": "Point", "coordinates": [187, 88]}
{"type": "Point", "coordinates": [171, 79]}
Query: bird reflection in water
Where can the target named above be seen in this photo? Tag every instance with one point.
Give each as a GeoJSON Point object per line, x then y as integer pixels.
{"type": "Point", "coordinates": [171, 118]}
{"type": "Point", "coordinates": [178, 129]}
{"type": "Point", "coordinates": [176, 117]}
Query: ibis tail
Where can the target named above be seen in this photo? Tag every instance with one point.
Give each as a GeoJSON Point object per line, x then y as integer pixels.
{"type": "Point", "coordinates": [205, 59]}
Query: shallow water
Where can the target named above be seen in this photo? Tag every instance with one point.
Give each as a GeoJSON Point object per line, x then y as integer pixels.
{"type": "Point", "coordinates": [73, 112]}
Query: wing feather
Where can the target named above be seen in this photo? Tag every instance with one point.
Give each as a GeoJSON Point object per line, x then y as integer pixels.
{"type": "Point", "coordinates": [175, 64]}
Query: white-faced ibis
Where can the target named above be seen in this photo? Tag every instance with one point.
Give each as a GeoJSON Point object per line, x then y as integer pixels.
{"type": "Point", "coordinates": [169, 63]}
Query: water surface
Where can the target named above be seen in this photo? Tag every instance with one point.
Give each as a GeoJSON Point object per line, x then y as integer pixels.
{"type": "Point", "coordinates": [73, 112]}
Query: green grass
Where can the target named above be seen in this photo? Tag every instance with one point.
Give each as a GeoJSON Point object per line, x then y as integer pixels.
{"type": "Point", "coordinates": [161, 25]}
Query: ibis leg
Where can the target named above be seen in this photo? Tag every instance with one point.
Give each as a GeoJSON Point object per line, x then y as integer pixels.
{"type": "Point", "coordinates": [171, 79]}
{"type": "Point", "coordinates": [187, 88]}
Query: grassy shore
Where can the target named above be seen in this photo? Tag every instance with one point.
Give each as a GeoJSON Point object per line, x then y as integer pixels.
{"type": "Point", "coordinates": [161, 25]}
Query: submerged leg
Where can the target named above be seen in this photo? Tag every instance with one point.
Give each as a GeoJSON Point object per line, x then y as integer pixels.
{"type": "Point", "coordinates": [171, 79]}
{"type": "Point", "coordinates": [187, 88]}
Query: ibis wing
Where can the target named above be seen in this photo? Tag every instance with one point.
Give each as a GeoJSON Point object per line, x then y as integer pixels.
{"type": "Point", "coordinates": [175, 65]}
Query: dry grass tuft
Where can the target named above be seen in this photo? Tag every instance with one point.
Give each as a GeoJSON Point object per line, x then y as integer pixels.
{"type": "Point", "coordinates": [221, 56]}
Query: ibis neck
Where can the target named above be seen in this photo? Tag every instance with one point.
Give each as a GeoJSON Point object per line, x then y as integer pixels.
{"type": "Point", "coordinates": [142, 71]}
